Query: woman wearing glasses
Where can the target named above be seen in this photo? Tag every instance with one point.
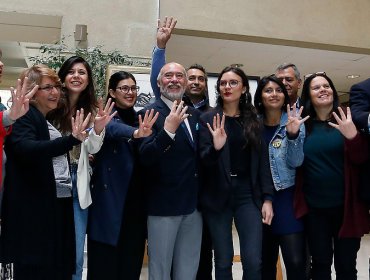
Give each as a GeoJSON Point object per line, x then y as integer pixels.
{"type": "Point", "coordinates": [327, 184]}
{"type": "Point", "coordinates": [37, 231]}
{"type": "Point", "coordinates": [283, 132]}
{"type": "Point", "coordinates": [237, 181]}
{"type": "Point", "coordinates": [79, 92]}
{"type": "Point", "coordinates": [117, 218]}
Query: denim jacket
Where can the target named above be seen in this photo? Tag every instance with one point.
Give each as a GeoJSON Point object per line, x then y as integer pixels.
{"type": "Point", "coordinates": [285, 155]}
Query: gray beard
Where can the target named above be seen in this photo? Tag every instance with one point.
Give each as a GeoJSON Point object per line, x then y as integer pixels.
{"type": "Point", "coordinates": [172, 96]}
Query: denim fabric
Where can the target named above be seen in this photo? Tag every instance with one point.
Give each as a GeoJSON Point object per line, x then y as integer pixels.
{"type": "Point", "coordinates": [80, 217]}
{"type": "Point", "coordinates": [286, 155]}
{"type": "Point", "coordinates": [247, 218]}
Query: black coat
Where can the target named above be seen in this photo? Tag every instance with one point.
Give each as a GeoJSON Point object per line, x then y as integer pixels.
{"type": "Point", "coordinates": [216, 179]}
{"type": "Point", "coordinates": [170, 166]}
{"type": "Point", "coordinates": [28, 218]}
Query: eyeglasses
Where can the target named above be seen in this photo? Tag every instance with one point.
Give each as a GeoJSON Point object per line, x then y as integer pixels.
{"type": "Point", "coordinates": [49, 88]}
{"type": "Point", "coordinates": [321, 73]}
{"type": "Point", "coordinates": [126, 89]}
{"type": "Point", "coordinates": [232, 83]}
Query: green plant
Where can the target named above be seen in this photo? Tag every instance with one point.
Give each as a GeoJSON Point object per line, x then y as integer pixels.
{"type": "Point", "coordinates": [54, 55]}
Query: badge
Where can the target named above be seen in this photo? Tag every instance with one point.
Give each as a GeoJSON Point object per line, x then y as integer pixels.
{"type": "Point", "coordinates": [276, 143]}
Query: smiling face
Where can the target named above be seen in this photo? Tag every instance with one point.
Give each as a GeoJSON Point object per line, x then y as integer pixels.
{"type": "Point", "coordinates": [196, 83]}
{"type": "Point", "coordinates": [172, 82]}
{"type": "Point", "coordinates": [231, 87]}
{"type": "Point", "coordinates": [321, 93]}
{"type": "Point", "coordinates": [77, 79]}
{"type": "Point", "coordinates": [123, 99]}
{"type": "Point", "coordinates": [47, 96]}
{"type": "Point", "coordinates": [272, 96]}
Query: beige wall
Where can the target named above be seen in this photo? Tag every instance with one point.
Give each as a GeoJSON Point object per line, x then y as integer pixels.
{"type": "Point", "coordinates": [340, 25]}
{"type": "Point", "coordinates": [124, 25]}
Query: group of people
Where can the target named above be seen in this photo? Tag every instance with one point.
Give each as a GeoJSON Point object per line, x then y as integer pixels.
{"type": "Point", "coordinates": [289, 172]}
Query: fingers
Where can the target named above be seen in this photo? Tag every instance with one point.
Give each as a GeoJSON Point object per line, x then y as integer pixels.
{"type": "Point", "coordinates": [343, 116]}
{"type": "Point", "coordinates": [210, 128]}
{"type": "Point", "coordinates": [337, 118]}
{"type": "Point", "coordinates": [223, 122]}
{"type": "Point", "coordinates": [305, 119]}
{"type": "Point", "coordinates": [349, 114]}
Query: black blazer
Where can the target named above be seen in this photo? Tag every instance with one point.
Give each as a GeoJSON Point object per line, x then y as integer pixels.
{"type": "Point", "coordinates": [170, 166]}
{"type": "Point", "coordinates": [28, 228]}
{"type": "Point", "coordinates": [360, 109]}
{"type": "Point", "coordinates": [216, 179]}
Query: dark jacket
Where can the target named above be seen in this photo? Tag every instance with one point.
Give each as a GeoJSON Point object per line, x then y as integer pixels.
{"type": "Point", "coordinates": [113, 170]}
{"type": "Point", "coordinates": [170, 166]}
{"type": "Point", "coordinates": [28, 218]}
{"type": "Point", "coordinates": [360, 109]}
{"type": "Point", "coordinates": [216, 183]}
{"type": "Point", "coordinates": [356, 219]}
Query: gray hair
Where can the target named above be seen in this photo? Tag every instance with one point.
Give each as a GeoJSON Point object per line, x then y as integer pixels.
{"type": "Point", "coordinates": [286, 65]}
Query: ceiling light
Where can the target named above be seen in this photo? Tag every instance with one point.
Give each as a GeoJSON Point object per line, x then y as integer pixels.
{"type": "Point", "coordinates": [237, 65]}
{"type": "Point", "coordinates": [353, 76]}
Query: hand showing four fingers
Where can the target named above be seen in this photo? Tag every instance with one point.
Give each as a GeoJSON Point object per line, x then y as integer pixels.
{"type": "Point", "coordinates": [146, 124]}
{"type": "Point", "coordinates": [344, 124]}
{"type": "Point", "coordinates": [103, 116]}
{"type": "Point", "coordinates": [79, 124]}
{"type": "Point", "coordinates": [218, 131]}
{"type": "Point", "coordinates": [294, 120]}
{"type": "Point", "coordinates": [164, 31]}
{"type": "Point", "coordinates": [176, 116]}
{"type": "Point", "coordinates": [20, 98]}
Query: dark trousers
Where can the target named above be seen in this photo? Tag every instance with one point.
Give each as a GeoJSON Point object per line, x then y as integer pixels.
{"type": "Point", "coordinates": [121, 262]}
{"type": "Point", "coordinates": [206, 256]}
{"type": "Point", "coordinates": [247, 218]}
{"type": "Point", "coordinates": [29, 272]}
{"type": "Point", "coordinates": [323, 226]}
{"type": "Point", "coordinates": [293, 248]}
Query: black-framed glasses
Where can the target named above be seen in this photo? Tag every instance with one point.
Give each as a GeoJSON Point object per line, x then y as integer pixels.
{"type": "Point", "coordinates": [232, 83]}
{"type": "Point", "coordinates": [49, 88]}
{"type": "Point", "coordinates": [126, 89]}
{"type": "Point", "coordinates": [320, 73]}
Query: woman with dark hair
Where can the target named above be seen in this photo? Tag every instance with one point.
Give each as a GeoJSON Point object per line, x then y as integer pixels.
{"type": "Point", "coordinates": [37, 231]}
{"type": "Point", "coordinates": [79, 92]}
{"type": "Point", "coordinates": [237, 181]}
{"type": "Point", "coordinates": [327, 184]}
{"type": "Point", "coordinates": [117, 218]}
{"type": "Point", "coordinates": [283, 132]}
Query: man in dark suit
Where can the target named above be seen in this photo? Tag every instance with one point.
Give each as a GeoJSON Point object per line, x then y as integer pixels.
{"type": "Point", "coordinates": [171, 171]}
{"type": "Point", "coordinates": [360, 109]}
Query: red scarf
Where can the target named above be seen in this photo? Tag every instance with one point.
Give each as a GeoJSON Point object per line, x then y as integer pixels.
{"type": "Point", "coordinates": [3, 132]}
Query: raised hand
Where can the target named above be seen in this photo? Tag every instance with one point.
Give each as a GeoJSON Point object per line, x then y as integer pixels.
{"type": "Point", "coordinates": [103, 116]}
{"type": "Point", "coordinates": [164, 31]}
{"type": "Point", "coordinates": [218, 131]}
{"type": "Point", "coordinates": [79, 124]}
{"type": "Point", "coordinates": [20, 98]}
{"type": "Point", "coordinates": [145, 126]}
{"type": "Point", "coordinates": [345, 124]}
{"type": "Point", "coordinates": [176, 116]}
{"type": "Point", "coordinates": [294, 120]}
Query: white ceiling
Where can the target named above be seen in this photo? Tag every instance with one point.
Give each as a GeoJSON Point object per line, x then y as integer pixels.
{"type": "Point", "coordinates": [258, 59]}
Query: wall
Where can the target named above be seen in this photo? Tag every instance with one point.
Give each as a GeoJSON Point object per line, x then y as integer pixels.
{"type": "Point", "coordinates": [124, 25]}
{"type": "Point", "coordinates": [332, 24]}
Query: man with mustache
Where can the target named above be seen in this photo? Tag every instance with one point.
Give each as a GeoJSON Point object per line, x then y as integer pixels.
{"type": "Point", "coordinates": [196, 94]}
{"type": "Point", "coordinates": [170, 164]}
